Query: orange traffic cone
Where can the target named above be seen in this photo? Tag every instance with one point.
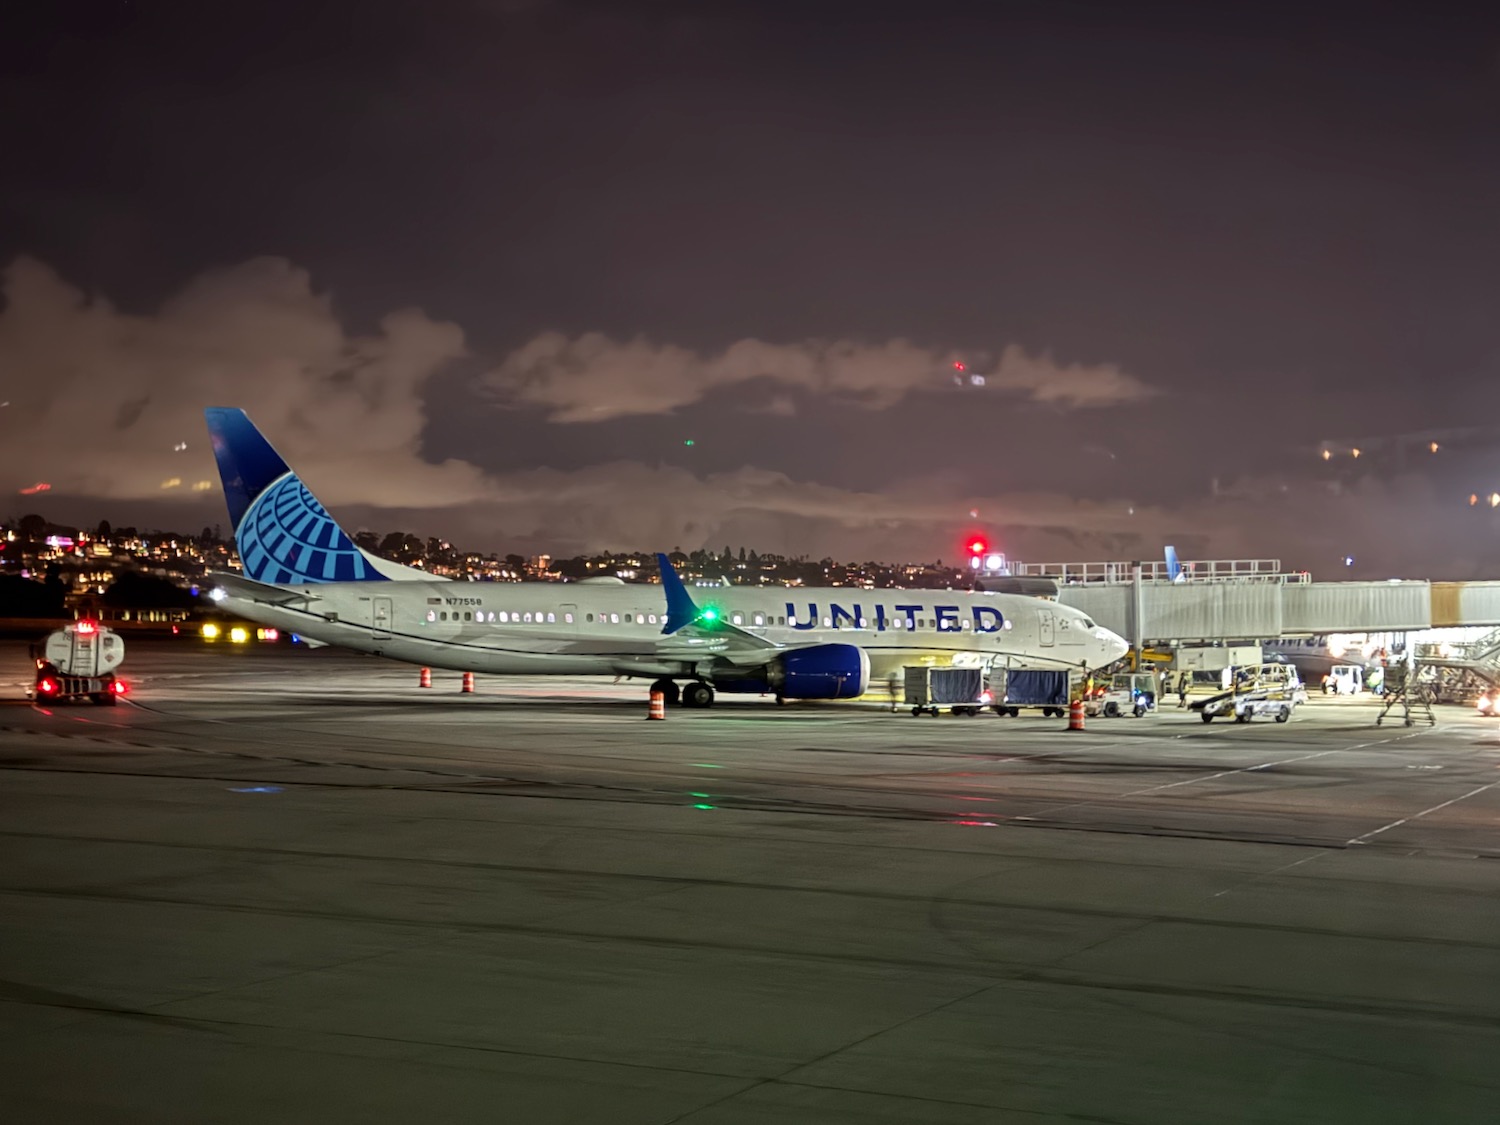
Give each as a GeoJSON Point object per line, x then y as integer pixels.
{"type": "Point", "coordinates": [468, 683]}
{"type": "Point", "coordinates": [1075, 715]}
{"type": "Point", "coordinates": [425, 679]}
{"type": "Point", "coordinates": [658, 706]}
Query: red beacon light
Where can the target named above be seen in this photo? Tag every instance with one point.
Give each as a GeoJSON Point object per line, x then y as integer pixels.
{"type": "Point", "coordinates": [978, 546]}
{"type": "Point", "coordinates": [87, 627]}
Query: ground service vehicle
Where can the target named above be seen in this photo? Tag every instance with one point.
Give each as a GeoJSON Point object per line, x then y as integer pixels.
{"type": "Point", "coordinates": [78, 662]}
{"type": "Point", "coordinates": [1272, 684]}
{"type": "Point", "coordinates": [1344, 679]}
{"type": "Point", "coordinates": [1246, 709]}
{"type": "Point", "coordinates": [1129, 693]}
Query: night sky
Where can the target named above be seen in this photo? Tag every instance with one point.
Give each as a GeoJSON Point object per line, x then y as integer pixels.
{"type": "Point", "coordinates": [481, 268]}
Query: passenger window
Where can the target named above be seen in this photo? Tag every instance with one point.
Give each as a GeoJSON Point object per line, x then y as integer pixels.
{"type": "Point", "coordinates": [760, 619]}
{"type": "Point", "coordinates": [781, 621]}
{"type": "Point", "coordinates": [568, 618]}
{"type": "Point", "coordinates": [504, 616]}
{"type": "Point", "coordinates": [589, 617]}
{"type": "Point", "coordinates": [445, 615]}
{"type": "Point", "coordinates": [828, 623]}
{"type": "Point", "coordinates": [651, 618]}
{"type": "Point", "coordinates": [526, 618]}
{"type": "Point", "coordinates": [614, 618]}
{"type": "Point", "coordinates": [738, 618]}
{"type": "Point", "coordinates": [431, 616]}
{"type": "Point", "coordinates": [551, 619]}
{"type": "Point", "coordinates": [627, 619]}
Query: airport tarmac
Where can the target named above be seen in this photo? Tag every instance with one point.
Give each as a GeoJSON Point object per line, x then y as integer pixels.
{"type": "Point", "coordinates": [286, 885]}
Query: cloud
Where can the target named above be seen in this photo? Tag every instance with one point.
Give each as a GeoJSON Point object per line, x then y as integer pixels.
{"type": "Point", "coordinates": [100, 398]}
{"type": "Point", "coordinates": [593, 378]}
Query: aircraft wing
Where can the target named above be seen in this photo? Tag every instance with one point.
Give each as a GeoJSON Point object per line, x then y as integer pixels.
{"type": "Point", "coordinates": [237, 585]}
{"type": "Point", "coordinates": [691, 633]}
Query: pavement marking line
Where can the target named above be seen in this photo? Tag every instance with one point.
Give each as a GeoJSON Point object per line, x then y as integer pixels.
{"type": "Point", "coordinates": [1275, 871]}
{"type": "Point", "coordinates": [1418, 816]}
{"type": "Point", "coordinates": [1228, 773]}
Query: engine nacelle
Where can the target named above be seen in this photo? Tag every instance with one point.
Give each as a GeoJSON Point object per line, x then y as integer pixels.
{"type": "Point", "coordinates": [821, 672]}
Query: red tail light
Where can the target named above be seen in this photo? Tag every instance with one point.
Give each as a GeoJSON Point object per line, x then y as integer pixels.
{"type": "Point", "coordinates": [46, 687]}
{"type": "Point", "coordinates": [118, 687]}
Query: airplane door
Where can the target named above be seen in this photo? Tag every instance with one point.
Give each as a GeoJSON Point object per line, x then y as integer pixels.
{"type": "Point", "coordinates": [1045, 624]}
{"type": "Point", "coordinates": [380, 618]}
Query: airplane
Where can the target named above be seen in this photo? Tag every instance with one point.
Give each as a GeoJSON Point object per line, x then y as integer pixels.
{"type": "Point", "coordinates": [301, 573]}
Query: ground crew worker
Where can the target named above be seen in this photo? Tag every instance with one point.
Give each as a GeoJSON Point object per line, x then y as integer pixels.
{"type": "Point", "coordinates": [1182, 688]}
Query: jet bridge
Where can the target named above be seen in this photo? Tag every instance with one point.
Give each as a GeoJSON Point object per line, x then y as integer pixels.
{"type": "Point", "coordinates": [1239, 599]}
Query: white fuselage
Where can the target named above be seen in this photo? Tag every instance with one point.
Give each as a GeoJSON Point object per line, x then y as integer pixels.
{"type": "Point", "coordinates": [587, 629]}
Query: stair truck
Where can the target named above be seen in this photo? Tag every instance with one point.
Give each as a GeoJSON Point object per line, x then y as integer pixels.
{"type": "Point", "coordinates": [78, 663]}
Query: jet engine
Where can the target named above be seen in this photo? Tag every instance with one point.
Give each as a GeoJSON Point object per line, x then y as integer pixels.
{"type": "Point", "coordinates": [815, 672]}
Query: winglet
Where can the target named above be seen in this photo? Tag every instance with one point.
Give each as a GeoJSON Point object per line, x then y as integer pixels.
{"type": "Point", "coordinates": [680, 608]}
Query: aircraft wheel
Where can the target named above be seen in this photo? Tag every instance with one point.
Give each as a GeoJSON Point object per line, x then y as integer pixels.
{"type": "Point", "coordinates": [697, 694]}
{"type": "Point", "coordinates": [670, 694]}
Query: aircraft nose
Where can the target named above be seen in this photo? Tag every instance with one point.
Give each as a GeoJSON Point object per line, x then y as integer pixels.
{"type": "Point", "coordinates": [1114, 646]}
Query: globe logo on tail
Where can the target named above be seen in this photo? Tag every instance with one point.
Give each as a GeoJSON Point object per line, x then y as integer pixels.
{"type": "Point", "coordinates": [288, 537]}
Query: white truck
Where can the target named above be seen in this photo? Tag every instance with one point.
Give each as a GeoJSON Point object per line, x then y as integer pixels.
{"type": "Point", "coordinates": [78, 662]}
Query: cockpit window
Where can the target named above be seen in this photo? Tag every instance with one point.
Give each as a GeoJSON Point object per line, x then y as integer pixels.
{"type": "Point", "coordinates": [1087, 624]}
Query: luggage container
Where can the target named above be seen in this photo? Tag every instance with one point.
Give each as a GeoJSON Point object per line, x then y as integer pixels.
{"type": "Point", "coordinates": [1034, 688]}
{"type": "Point", "coordinates": [962, 690]}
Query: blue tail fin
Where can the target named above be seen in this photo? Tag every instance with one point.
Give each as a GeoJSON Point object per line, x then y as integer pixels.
{"type": "Point", "coordinates": [1174, 568]}
{"type": "Point", "coordinates": [283, 534]}
{"type": "Point", "coordinates": [680, 608]}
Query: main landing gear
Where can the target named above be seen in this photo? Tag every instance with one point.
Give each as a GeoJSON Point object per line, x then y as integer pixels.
{"type": "Point", "coordinates": [696, 693]}
{"type": "Point", "coordinates": [669, 693]}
